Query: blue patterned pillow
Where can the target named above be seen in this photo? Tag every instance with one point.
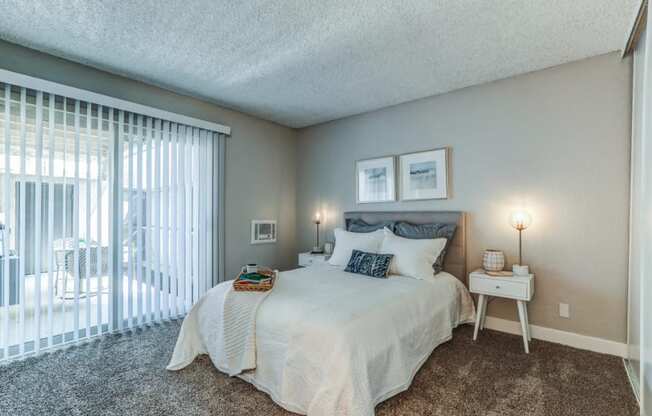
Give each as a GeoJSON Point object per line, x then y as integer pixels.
{"type": "Point", "coordinates": [369, 264]}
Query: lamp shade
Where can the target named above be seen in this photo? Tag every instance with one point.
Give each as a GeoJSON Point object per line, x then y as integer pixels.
{"type": "Point", "coordinates": [520, 220]}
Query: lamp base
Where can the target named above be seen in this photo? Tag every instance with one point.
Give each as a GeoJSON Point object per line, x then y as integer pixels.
{"type": "Point", "coordinates": [520, 270]}
{"type": "Point", "coordinates": [317, 250]}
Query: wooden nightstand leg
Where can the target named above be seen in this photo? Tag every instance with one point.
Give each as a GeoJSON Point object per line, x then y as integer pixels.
{"type": "Point", "coordinates": [527, 322]}
{"type": "Point", "coordinates": [522, 314]}
{"type": "Point", "coordinates": [484, 312]}
{"type": "Point", "coordinates": [478, 316]}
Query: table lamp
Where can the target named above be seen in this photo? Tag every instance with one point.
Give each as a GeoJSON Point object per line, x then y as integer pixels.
{"type": "Point", "coordinates": [520, 220]}
{"type": "Point", "coordinates": [317, 248]}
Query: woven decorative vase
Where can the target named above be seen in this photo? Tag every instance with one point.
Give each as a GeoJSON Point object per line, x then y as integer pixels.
{"type": "Point", "coordinates": [493, 260]}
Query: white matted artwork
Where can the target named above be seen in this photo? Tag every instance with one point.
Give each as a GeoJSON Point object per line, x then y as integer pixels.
{"type": "Point", "coordinates": [375, 180]}
{"type": "Point", "coordinates": [424, 175]}
{"type": "Point", "coordinates": [263, 231]}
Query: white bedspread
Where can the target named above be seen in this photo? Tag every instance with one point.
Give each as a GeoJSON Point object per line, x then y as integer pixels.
{"type": "Point", "coordinates": [330, 342]}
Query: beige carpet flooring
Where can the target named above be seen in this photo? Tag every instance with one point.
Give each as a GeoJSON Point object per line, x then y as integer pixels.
{"type": "Point", "coordinates": [125, 375]}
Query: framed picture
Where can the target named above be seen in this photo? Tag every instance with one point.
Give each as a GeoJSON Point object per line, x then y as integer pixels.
{"type": "Point", "coordinates": [424, 175]}
{"type": "Point", "coordinates": [375, 180]}
{"type": "Point", "coordinates": [263, 231]}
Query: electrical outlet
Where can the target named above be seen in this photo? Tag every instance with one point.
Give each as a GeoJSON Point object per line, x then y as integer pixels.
{"type": "Point", "coordinates": [564, 310]}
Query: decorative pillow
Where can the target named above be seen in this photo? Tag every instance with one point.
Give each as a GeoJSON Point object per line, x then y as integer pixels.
{"type": "Point", "coordinates": [346, 242]}
{"type": "Point", "coordinates": [428, 231]}
{"type": "Point", "coordinates": [413, 258]}
{"type": "Point", "coordinates": [359, 226]}
{"type": "Point", "coordinates": [369, 264]}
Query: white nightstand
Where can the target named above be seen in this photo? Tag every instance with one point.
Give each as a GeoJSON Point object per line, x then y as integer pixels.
{"type": "Point", "coordinates": [309, 259]}
{"type": "Point", "coordinates": [519, 288]}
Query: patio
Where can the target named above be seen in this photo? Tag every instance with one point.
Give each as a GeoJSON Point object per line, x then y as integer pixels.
{"type": "Point", "coordinates": [92, 309]}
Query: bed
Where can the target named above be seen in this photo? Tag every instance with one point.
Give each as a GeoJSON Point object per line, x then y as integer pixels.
{"type": "Point", "coordinates": [328, 342]}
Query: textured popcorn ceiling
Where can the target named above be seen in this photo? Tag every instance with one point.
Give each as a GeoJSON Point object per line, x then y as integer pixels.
{"type": "Point", "coordinates": [304, 62]}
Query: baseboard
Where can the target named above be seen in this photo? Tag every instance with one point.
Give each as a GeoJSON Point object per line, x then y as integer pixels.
{"type": "Point", "coordinates": [583, 342]}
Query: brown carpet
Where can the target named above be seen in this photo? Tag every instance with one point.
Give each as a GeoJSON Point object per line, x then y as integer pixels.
{"type": "Point", "coordinates": [125, 375]}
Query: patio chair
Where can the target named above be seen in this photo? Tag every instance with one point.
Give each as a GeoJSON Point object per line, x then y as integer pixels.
{"type": "Point", "coordinates": [64, 253]}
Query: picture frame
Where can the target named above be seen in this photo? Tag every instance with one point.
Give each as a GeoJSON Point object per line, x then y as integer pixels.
{"type": "Point", "coordinates": [424, 175]}
{"type": "Point", "coordinates": [375, 180]}
{"type": "Point", "coordinates": [263, 231]}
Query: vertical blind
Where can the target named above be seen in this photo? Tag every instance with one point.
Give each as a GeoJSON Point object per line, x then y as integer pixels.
{"type": "Point", "coordinates": [106, 219]}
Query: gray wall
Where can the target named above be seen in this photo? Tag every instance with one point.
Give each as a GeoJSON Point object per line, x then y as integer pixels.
{"type": "Point", "coordinates": [260, 156]}
{"type": "Point", "coordinates": [555, 142]}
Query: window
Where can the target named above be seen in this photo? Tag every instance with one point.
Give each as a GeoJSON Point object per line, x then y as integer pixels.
{"type": "Point", "coordinates": [106, 218]}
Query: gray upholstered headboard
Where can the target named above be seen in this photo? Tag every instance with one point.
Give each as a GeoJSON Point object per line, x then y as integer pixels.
{"type": "Point", "coordinates": [455, 260]}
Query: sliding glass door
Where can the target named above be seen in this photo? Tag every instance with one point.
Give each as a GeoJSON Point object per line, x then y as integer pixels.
{"type": "Point", "coordinates": [165, 205]}
{"type": "Point", "coordinates": [105, 219]}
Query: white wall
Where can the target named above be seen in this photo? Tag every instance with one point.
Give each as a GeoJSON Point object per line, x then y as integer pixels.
{"type": "Point", "coordinates": [555, 142]}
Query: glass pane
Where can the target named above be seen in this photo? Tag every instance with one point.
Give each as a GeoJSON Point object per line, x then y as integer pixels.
{"type": "Point", "coordinates": [38, 285]}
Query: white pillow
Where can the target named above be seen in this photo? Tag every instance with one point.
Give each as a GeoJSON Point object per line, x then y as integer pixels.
{"type": "Point", "coordinates": [346, 242]}
{"type": "Point", "coordinates": [413, 258]}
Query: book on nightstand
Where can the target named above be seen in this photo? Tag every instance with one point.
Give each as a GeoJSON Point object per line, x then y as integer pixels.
{"type": "Point", "coordinates": [502, 273]}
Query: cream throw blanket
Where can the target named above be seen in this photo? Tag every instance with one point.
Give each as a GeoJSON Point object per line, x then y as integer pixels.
{"type": "Point", "coordinates": [233, 349]}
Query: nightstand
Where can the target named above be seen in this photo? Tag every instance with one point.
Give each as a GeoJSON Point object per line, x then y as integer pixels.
{"type": "Point", "coordinates": [518, 288]}
{"type": "Point", "coordinates": [310, 259]}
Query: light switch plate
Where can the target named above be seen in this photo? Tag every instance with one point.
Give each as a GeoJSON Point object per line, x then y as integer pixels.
{"type": "Point", "coordinates": [564, 310]}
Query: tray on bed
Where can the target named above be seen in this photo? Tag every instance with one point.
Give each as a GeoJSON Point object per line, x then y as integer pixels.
{"type": "Point", "coordinates": [242, 285]}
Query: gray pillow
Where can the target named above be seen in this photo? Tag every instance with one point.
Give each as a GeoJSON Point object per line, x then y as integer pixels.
{"type": "Point", "coordinates": [428, 231]}
{"type": "Point", "coordinates": [359, 226]}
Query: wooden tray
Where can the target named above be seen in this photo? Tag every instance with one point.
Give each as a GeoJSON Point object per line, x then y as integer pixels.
{"type": "Point", "coordinates": [242, 286]}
